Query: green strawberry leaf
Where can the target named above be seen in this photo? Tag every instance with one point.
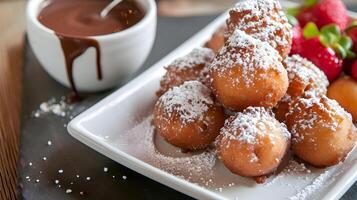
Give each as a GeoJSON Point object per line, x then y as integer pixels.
{"type": "Point", "coordinates": [333, 29]}
{"type": "Point", "coordinates": [340, 50]}
{"type": "Point", "coordinates": [309, 3]}
{"type": "Point", "coordinates": [332, 38]}
{"type": "Point", "coordinates": [345, 42]}
{"type": "Point", "coordinates": [310, 30]}
{"type": "Point", "coordinates": [292, 11]}
{"type": "Point", "coordinates": [350, 54]}
{"type": "Point", "coordinates": [324, 40]}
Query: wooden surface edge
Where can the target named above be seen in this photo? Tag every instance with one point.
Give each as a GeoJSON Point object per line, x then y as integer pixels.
{"type": "Point", "coordinates": [12, 27]}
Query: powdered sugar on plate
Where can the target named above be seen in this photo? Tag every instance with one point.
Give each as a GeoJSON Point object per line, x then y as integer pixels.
{"type": "Point", "coordinates": [316, 184]}
{"type": "Point", "coordinates": [204, 169]}
{"type": "Point", "coordinates": [190, 166]}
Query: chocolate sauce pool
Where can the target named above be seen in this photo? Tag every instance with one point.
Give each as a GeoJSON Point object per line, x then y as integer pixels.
{"type": "Point", "coordinates": [74, 21]}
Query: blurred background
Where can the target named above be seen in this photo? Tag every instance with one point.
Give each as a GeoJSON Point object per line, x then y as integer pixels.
{"type": "Point", "coordinates": [206, 7]}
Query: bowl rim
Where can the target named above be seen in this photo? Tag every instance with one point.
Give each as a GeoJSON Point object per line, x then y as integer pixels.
{"type": "Point", "coordinates": [34, 6]}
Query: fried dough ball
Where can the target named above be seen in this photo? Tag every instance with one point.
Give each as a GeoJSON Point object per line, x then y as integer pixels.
{"type": "Point", "coordinates": [193, 66]}
{"type": "Point", "coordinates": [217, 40]}
{"type": "Point", "coordinates": [344, 91]}
{"type": "Point", "coordinates": [263, 20]}
{"type": "Point", "coordinates": [305, 80]}
{"type": "Point", "coordinates": [252, 143]}
{"type": "Point", "coordinates": [304, 76]}
{"type": "Point", "coordinates": [282, 108]}
{"type": "Point", "coordinates": [322, 132]}
{"type": "Point", "coordinates": [187, 117]}
{"type": "Point", "coordinates": [247, 72]}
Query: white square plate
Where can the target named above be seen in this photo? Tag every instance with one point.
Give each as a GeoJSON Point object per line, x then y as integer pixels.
{"type": "Point", "coordinates": [118, 127]}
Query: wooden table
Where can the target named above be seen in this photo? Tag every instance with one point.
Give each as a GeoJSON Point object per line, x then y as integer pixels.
{"type": "Point", "coordinates": [11, 49]}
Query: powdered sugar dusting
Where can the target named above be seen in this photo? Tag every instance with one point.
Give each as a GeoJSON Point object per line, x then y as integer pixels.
{"type": "Point", "coordinates": [293, 168]}
{"type": "Point", "coordinates": [316, 184]}
{"type": "Point", "coordinates": [264, 20]}
{"type": "Point", "coordinates": [247, 53]}
{"type": "Point", "coordinates": [304, 73]}
{"type": "Point", "coordinates": [207, 171]}
{"type": "Point", "coordinates": [188, 101]}
{"type": "Point", "coordinates": [252, 122]}
{"type": "Point", "coordinates": [53, 106]}
{"type": "Point", "coordinates": [199, 55]}
{"type": "Point", "coordinates": [192, 66]}
{"type": "Point", "coordinates": [197, 165]}
{"type": "Point", "coordinates": [308, 109]}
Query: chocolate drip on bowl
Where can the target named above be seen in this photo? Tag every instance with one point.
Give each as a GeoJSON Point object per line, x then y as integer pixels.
{"type": "Point", "coordinates": [73, 48]}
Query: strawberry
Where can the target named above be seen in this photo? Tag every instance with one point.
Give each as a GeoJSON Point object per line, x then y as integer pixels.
{"type": "Point", "coordinates": [354, 70]}
{"type": "Point", "coordinates": [305, 16]}
{"type": "Point", "coordinates": [298, 38]}
{"type": "Point", "coordinates": [323, 12]}
{"type": "Point", "coordinates": [352, 32]}
{"type": "Point", "coordinates": [326, 48]}
{"type": "Point", "coordinates": [323, 57]}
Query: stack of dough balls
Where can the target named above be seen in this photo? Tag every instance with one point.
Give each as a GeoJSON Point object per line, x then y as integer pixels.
{"type": "Point", "coordinates": [305, 80]}
{"type": "Point", "coordinates": [250, 101]}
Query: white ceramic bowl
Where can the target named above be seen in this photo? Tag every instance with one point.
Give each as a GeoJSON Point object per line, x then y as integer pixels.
{"type": "Point", "coordinates": [122, 53]}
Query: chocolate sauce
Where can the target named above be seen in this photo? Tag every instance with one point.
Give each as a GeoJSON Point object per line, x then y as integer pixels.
{"type": "Point", "coordinates": [72, 48]}
{"type": "Point", "coordinates": [74, 20]}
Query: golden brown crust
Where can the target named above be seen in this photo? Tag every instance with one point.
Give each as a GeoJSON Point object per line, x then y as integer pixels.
{"type": "Point", "coordinates": [252, 143]}
{"type": "Point", "coordinates": [322, 132]}
{"type": "Point", "coordinates": [263, 20]}
{"type": "Point", "coordinates": [217, 40]}
{"type": "Point", "coordinates": [176, 76]}
{"type": "Point", "coordinates": [187, 117]}
{"type": "Point", "coordinates": [305, 80]}
{"type": "Point", "coordinates": [187, 68]}
{"type": "Point", "coordinates": [344, 91]}
{"type": "Point", "coordinates": [247, 72]}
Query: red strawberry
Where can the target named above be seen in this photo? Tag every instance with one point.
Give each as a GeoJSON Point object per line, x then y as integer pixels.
{"type": "Point", "coordinates": [354, 70]}
{"type": "Point", "coordinates": [352, 32]}
{"type": "Point", "coordinates": [298, 38]}
{"type": "Point", "coordinates": [305, 16]}
{"type": "Point", "coordinates": [323, 57]}
{"type": "Point", "coordinates": [324, 12]}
